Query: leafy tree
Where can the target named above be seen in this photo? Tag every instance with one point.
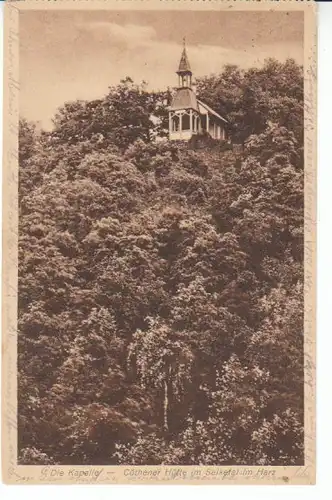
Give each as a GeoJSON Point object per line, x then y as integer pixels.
{"type": "Point", "coordinates": [163, 362]}
{"type": "Point", "coordinates": [127, 113]}
{"type": "Point", "coordinates": [250, 99]}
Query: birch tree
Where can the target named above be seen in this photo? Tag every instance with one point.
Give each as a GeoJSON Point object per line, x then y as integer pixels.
{"type": "Point", "coordinates": [163, 361]}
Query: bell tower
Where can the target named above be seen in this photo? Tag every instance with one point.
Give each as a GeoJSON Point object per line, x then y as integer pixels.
{"type": "Point", "coordinates": [188, 116]}
{"type": "Point", "coordinates": [184, 72]}
{"type": "Point", "coordinates": [184, 120]}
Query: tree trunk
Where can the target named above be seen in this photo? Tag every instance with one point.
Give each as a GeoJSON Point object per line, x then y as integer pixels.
{"type": "Point", "coordinates": [167, 397]}
{"type": "Point", "coordinates": [165, 406]}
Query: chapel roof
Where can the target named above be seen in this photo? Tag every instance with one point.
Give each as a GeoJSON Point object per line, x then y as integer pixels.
{"type": "Point", "coordinates": [184, 98]}
{"type": "Point", "coordinates": [205, 107]}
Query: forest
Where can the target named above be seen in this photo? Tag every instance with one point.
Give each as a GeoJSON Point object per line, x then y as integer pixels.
{"type": "Point", "coordinates": [160, 304]}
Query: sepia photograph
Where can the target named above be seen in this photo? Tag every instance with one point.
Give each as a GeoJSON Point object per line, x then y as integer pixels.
{"type": "Point", "coordinates": [161, 242]}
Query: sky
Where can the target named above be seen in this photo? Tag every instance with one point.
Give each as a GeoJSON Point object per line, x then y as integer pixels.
{"type": "Point", "coordinates": [72, 55]}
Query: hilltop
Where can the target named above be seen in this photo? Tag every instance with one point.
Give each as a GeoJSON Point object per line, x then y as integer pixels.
{"type": "Point", "coordinates": [161, 287]}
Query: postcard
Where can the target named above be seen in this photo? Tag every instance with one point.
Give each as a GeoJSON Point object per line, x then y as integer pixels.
{"type": "Point", "coordinates": [159, 187]}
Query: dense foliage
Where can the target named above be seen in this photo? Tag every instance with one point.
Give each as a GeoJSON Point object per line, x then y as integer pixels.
{"type": "Point", "coordinates": [250, 99]}
{"type": "Point", "coordinates": [161, 288]}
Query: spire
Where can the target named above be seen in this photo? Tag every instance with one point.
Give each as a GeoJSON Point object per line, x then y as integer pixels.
{"type": "Point", "coordinates": [184, 66]}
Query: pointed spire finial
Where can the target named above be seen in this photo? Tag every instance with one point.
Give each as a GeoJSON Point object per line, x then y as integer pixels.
{"type": "Point", "coordinates": [184, 66]}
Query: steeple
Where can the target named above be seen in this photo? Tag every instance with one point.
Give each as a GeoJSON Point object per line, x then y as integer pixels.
{"type": "Point", "coordinates": [187, 115]}
{"type": "Point", "coordinates": [184, 72]}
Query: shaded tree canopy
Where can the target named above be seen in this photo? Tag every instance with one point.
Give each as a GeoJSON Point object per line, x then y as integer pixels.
{"type": "Point", "coordinates": [124, 115]}
{"type": "Point", "coordinates": [250, 99]}
{"type": "Point", "coordinates": [161, 288]}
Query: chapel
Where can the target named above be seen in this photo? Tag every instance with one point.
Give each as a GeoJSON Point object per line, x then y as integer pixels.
{"type": "Point", "coordinates": [188, 115]}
